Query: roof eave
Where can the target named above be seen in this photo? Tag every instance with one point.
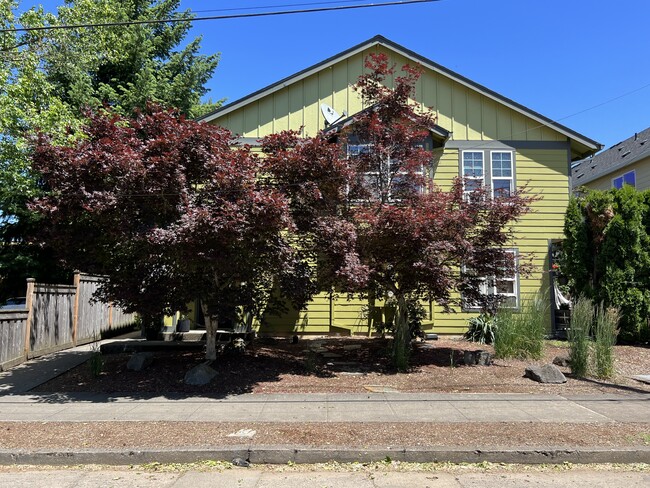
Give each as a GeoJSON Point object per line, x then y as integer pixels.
{"type": "Point", "coordinates": [591, 145]}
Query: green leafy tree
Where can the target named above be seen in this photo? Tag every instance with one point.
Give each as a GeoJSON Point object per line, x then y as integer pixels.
{"type": "Point", "coordinates": [48, 79]}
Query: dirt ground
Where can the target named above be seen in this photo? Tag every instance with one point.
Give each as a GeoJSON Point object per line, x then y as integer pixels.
{"type": "Point", "coordinates": [347, 365]}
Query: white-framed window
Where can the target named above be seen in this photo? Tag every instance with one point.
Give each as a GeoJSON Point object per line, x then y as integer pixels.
{"type": "Point", "coordinates": [473, 170]}
{"type": "Point", "coordinates": [378, 178]}
{"type": "Point", "coordinates": [628, 178]}
{"type": "Point", "coordinates": [502, 173]}
{"type": "Point", "coordinates": [506, 286]}
{"type": "Point", "coordinates": [491, 168]}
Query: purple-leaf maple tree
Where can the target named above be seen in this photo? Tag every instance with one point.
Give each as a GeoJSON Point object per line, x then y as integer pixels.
{"type": "Point", "coordinates": [371, 216]}
{"type": "Point", "coordinates": [170, 211]}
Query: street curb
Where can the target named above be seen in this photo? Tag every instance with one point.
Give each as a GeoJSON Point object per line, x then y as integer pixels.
{"type": "Point", "coordinates": [305, 455]}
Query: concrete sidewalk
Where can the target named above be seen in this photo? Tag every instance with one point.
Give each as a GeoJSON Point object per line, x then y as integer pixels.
{"type": "Point", "coordinates": [319, 479]}
{"type": "Point", "coordinates": [371, 407]}
{"type": "Point", "coordinates": [17, 404]}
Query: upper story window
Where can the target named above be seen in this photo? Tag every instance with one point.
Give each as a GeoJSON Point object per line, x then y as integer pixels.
{"type": "Point", "coordinates": [385, 179]}
{"type": "Point", "coordinates": [502, 174]}
{"type": "Point", "coordinates": [473, 170]}
{"type": "Point", "coordinates": [495, 169]}
{"type": "Point", "coordinates": [628, 178]}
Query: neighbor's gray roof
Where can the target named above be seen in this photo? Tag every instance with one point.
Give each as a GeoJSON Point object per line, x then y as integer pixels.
{"type": "Point", "coordinates": [616, 157]}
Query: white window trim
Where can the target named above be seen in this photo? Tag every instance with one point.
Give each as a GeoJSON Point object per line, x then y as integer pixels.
{"type": "Point", "coordinates": [622, 177]}
{"type": "Point", "coordinates": [512, 171]}
{"type": "Point", "coordinates": [487, 178]}
{"type": "Point", "coordinates": [481, 180]}
{"type": "Point", "coordinates": [388, 168]}
{"type": "Point", "coordinates": [489, 286]}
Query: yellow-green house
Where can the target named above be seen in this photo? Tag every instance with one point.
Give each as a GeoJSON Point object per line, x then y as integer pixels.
{"type": "Point", "coordinates": [475, 126]}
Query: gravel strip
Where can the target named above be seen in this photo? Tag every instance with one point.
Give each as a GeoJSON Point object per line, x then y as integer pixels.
{"type": "Point", "coordinates": [161, 435]}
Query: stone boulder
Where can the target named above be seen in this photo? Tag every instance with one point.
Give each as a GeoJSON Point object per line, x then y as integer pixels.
{"type": "Point", "coordinates": [200, 375]}
{"type": "Point", "coordinates": [480, 358]}
{"type": "Point", "coordinates": [549, 373]}
{"type": "Point", "coordinates": [562, 361]}
{"type": "Point", "coordinates": [139, 361]}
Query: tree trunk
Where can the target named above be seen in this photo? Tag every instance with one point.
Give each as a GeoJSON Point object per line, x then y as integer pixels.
{"type": "Point", "coordinates": [402, 339]}
{"type": "Point", "coordinates": [211, 326]}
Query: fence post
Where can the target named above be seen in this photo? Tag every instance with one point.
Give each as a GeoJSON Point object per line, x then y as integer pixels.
{"type": "Point", "coordinates": [75, 316]}
{"type": "Point", "coordinates": [29, 296]}
{"type": "Point", "coordinates": [110, 316]}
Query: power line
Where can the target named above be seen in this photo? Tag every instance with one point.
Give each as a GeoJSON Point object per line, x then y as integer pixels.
{"type": "Point", "coordinates": [239, 9]}
{"type": "Point", "coordinates": [216, 17]}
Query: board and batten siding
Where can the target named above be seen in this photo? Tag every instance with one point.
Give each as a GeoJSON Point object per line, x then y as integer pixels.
{"type": "Point", "coordinates": [473, 120]}
{"type": "Point", "coordinates": [641, 167]}
{"type": "Point", "coordinates": [467, 114]}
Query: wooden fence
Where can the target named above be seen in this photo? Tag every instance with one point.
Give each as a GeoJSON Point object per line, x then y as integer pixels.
{"type": "Point", "coordinates": [57, 317]}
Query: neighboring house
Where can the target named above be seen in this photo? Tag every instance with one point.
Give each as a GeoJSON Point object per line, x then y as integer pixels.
{"type": "Point", "coordinates": [478, 133]}
{"type": "Point", "coordinates": [625, 163]}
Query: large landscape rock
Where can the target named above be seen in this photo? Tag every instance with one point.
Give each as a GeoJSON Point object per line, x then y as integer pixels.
{"type": "Point", "coordinates": [139, 360]}
{"type": "Point", "coordinates": [200, 375]}
{"type": "Point", "coordinates": [549, 373]}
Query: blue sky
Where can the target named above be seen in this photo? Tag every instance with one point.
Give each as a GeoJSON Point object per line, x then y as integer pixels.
{"type": "Point", "coordinates": [584, 63]}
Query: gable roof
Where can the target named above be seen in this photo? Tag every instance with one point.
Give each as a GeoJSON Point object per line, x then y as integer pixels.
{"type": "Point", "coordinates": [616, 157]}
{"type": "Point", "coordinates": [586, 145]}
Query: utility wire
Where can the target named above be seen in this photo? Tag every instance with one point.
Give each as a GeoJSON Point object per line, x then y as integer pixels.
{"type": "Point", "coordinates": [239, 9]}
{"type": "Point", "coordinates": [216, 17]}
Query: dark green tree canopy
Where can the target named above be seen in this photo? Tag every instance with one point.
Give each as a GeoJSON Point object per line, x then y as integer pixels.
{"type": "Point", "coordinates": [607, 253]}
{"type": "Point", "coordinates": [49, 78]}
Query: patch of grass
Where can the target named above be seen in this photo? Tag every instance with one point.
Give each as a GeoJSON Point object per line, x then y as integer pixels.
{"type": "Point", "coordinates": [521, 334]}
{"type": "Point", "coordinates": [96, 361]}
{"type": "Point", "coordinates": [579, 336]}
{"type": "Point", "coordinates": [205, 465]}
{"type": "Point", "coordinates": [606, 330]}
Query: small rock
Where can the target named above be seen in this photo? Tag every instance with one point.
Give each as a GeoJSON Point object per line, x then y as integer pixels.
{"type": "Point", "coordinates": [200, 375]}
{"type": "Point", "coordinates": [562, 361]}
{"type": "Point", "coordinates": [242, 463]}
{"type": "Point", "coordinates": [481, 358]}
{"type": "Point", "coordinates": [243, 433]}
{"type": "Point", "coordinates": [469, 358]}
{"type": "Point", "coordinates": [139, 361]}
{"type": "Point", "coordinates": [549, 373]}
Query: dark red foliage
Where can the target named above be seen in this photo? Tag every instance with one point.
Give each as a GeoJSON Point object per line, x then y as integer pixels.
{"type": "Point", "coordinates": [168, 209]}
{"type": "Point", "coordinates": [401, 234]}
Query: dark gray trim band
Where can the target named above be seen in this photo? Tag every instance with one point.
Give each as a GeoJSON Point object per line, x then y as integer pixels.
{"type": "Point", "coordinates": [479, 145]}
{"type": "Point", "coordinates": [251, 141]}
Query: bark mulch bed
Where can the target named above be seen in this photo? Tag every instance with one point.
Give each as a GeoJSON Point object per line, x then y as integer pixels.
{"type": "Point", "coordinates": [347, 365]}
{"type": "Point", "coordinates": [332, 365]}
